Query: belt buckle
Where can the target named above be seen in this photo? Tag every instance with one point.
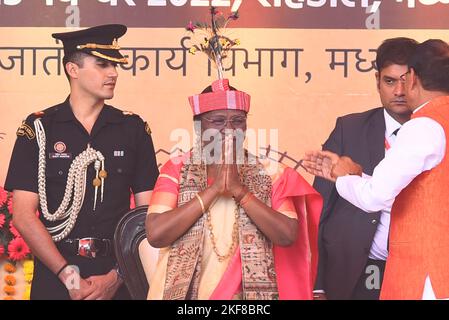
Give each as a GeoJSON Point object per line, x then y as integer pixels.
{"type": "Point", "coordinates": [87, 248]}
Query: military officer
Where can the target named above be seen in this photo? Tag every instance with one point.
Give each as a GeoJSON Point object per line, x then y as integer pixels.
{"type": "Point", "coordinates": [77, 162]}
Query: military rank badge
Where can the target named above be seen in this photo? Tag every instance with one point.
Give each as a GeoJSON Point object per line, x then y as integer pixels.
{"type": "Point", "coordinates": [147, 128]}
{"type": "Point", "coordinates": [26, 130]}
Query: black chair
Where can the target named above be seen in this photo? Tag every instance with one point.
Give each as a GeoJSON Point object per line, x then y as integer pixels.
{"type": "Point", "coordinates": [130, 232]}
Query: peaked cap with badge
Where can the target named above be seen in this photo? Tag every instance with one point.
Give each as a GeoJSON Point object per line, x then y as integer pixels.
{"type": "Point", "coordinates": [100, 41]}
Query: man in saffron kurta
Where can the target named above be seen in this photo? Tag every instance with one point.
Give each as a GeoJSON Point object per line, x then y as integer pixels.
{"type": "Point", "coordinates": [419, 237]}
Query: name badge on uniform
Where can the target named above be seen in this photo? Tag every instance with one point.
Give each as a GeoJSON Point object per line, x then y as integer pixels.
{"type": "Point", "coordinates": [60, 153]}
{"type": "Point", "coordinates": [119, 153]}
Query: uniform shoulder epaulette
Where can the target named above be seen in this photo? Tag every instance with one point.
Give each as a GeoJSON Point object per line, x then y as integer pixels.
{"type": "Point", "coordinates": [49, 112]}
{"type": "Point", "coordinates": [39, 114]}
{"type": "Point", "coordinates": [128, 113]}
{"type": "Point", "coordinates": [26, 128]}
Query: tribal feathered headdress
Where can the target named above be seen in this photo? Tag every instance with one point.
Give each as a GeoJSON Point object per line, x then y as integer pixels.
{"type": "Point", "coordinates": [216, 46]}
{"type": "Point", "coordinates": [212, 40]}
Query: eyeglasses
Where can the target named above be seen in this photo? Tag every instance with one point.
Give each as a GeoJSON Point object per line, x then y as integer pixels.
{"type": "Point", "coordinates": [236, 122]}
{"type": "Point", "coordinates": [402, 76]}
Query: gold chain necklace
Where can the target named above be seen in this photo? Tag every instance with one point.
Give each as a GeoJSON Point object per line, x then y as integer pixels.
{"type": "Point", "coordinates": [235, 234]}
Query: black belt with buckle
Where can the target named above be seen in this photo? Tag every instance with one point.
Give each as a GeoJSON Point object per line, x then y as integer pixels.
{"type": "Point", "coordinates": [87, 247]}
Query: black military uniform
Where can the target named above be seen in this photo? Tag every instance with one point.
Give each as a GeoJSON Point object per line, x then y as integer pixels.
{"type": "Point", "coordinates": [125, 142]}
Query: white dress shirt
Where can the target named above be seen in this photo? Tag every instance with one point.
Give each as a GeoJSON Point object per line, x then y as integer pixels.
{"type": "Point", "coordinates": [379, 247]}
{"type": "Point", "coordinates": [420, 145]}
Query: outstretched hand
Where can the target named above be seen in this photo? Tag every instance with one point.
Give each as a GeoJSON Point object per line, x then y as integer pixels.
{"type": "Point", "coordinates": [329, 165]}
{"type": "Point", "coordinates": [320, 163]}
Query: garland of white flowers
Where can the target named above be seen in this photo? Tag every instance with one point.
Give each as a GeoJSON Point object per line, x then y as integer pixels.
{"type": "Point", "coordinates": [76, 185]}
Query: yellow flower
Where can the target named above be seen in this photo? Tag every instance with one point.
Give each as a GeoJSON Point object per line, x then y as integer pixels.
{"type": "Point", "coordinates": [27, 293]}
{"type": "Point", "coordinates": [28, 264]}
{"type": "Point", "coordinates": [192, 50]}
{"type": "Point", "coordinates": [10, 268]}
{"type": "Point", "coordinates": [224, 42]}
{"type": "Point", "coordinates": [9, 290]}
{"type": "Point", "coordinates": [237, 42]}
{"type": "Point", "coordinates": [10, 280]}
{"type": "Point", "coordinates": [28, 269]}
{"type": "Point", "coordinates": [28, 277]}
{"type": "Point", "coordinates": [28, 272]}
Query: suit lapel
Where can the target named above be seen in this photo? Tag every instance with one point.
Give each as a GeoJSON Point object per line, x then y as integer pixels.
{"type": "Point", "coordinates": [376, 139]}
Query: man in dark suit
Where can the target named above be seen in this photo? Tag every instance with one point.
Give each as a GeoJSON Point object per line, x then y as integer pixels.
{"type": "Point", "coordinates": [353, 243]}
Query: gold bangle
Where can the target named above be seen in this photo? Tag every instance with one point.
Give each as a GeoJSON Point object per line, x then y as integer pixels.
{"type": "Point", "coordinates": [201, 202]}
